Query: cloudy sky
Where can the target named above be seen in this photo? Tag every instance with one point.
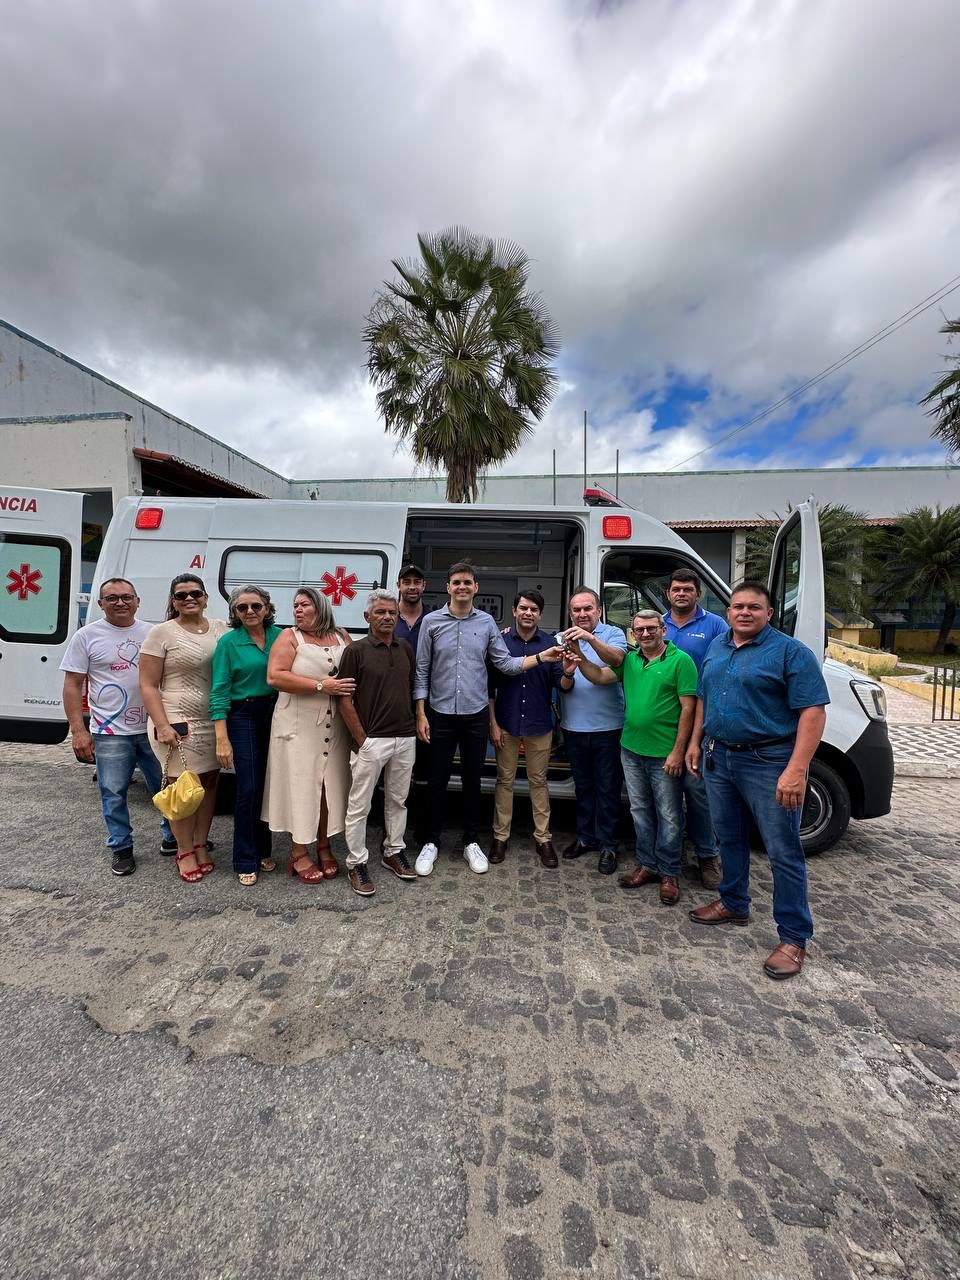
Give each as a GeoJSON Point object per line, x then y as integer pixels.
{"type": "Point", "coordinates": [721, 197]}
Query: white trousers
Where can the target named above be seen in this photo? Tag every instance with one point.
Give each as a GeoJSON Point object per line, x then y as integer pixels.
{"type": "Point", "coordinates": [393, 757]}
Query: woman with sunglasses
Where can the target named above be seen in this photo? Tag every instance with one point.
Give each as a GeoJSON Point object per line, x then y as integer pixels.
{"type": "Point", "coordinates": [308, 772]}
{"type": "Point", "coordinates": [175, 675]}
{"type": "Point", "coordinates": [241, 708]}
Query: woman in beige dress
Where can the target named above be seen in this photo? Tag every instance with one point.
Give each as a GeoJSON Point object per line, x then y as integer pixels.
{"type": "Point", "coordinates": [175, 678]}
{"type": "Point", "coordinates": [308, 769]}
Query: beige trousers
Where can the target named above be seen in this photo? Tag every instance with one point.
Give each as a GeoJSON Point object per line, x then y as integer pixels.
{"type": "Point", "coordinates": [393, 757]}
{"type": "Point", "coordinates": [536, 752]}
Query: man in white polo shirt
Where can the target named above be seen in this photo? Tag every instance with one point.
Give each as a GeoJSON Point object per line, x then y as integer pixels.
{"type": "Point", "coordinates": [106, 654]}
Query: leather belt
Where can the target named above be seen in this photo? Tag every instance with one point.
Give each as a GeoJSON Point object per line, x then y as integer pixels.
{"type": "Point", "coordinates": [753, 746]}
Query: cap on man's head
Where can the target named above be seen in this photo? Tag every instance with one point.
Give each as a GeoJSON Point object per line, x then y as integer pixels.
{"type": "Point", "coordinates": [412, 571]}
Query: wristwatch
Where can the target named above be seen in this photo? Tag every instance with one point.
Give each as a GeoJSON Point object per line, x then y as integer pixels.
{"type": "Point", "coordinates": [539, 660]}
{"type": "Point", "coordinates": [320, 685]}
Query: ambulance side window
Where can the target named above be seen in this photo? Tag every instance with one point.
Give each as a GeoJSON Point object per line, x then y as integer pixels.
{"type": "Point", "coordinates": [344, 576]}
{"type": "Point", "coordinates": [34, 588]}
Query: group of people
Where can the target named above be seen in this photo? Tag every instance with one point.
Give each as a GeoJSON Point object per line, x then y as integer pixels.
{"type": "Point", "coordinates": [710, 723]}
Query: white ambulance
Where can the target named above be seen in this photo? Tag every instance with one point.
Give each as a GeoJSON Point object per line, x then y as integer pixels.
{"type": "Point", "coordinates": [348, 548]}
{"type": "Point", "coordinates": [40, 608]}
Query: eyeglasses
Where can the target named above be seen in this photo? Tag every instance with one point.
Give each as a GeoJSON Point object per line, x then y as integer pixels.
{"type": "Point", "coordinates": [642, 631]}
{"type": "Point", "coordinates": [117, 599]}
{"type": "Point", "coordinates": [188, 595]}
{"type": "Point", "coordinates": [249, 608]}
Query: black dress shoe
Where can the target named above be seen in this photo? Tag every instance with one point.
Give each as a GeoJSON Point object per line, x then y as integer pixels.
{"type": "Point", "coordinates": [608, 863]}
{"type": "Point", "coordinates": [577, 850]}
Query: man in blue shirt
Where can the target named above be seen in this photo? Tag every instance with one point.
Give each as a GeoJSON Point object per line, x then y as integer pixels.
{"type": "Point", "coordinates": [760, 717]}
{"type": "Point", "coordinates": [521, 714]}
{"type": "Point", "coordinates": [592, 723]}
{"type": "Point", "coordinates": [411, 584]}
{"type": "Point", "coordinates": [451, 695]}
{"type": "Point", "coordinates": [693, 630]}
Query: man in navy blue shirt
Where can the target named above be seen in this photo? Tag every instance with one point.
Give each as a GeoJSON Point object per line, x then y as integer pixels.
{"type": "Point", "coordinates": [411, 584]}
{"type": "Point", "coordinates": [694, 630]}
{"type": "Point", "coordinates": [760, 715]}
{"type": "Point", "coordinates": [521, 714]}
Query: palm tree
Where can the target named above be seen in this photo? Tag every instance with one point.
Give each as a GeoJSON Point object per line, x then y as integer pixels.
{"type": "Point", "coordinates": [461, 354]}
{"type": "Point", "coordinates": [922, 562]}
{"type": "Point", "coordinates": [944, 399]}
{"type": "Point", "coordinates": [844, 535]}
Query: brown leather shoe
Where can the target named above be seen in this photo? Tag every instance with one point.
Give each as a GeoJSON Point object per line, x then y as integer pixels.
{"type": "Point", "coordinates": [638, 877]}
{"type": "Point", "coordinates": [498, 851]}
{"type": "Point", "coordinates": [717, 913]}
{"type": "Point", "coordinates": [710, 872]}
{"type": "Point", "coordinates": [398, 864]}
{"type": "Point", "coordinates": [547, 854]}
{"type": "Point", "coordinates": [360, 881]}
{"type": "Point", "coordinates": [669, 891]}
{"type": "Point", "coordinates": [784, 961]}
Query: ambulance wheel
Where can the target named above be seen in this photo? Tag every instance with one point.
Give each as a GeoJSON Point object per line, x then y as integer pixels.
{"type": "Point", "coordinates": [826, 809]}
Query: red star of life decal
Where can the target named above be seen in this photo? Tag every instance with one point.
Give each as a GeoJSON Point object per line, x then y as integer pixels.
{"type": "Point", "coordinates": [338, 585]}
{"type": "Point", "coordinates": [25, 583]}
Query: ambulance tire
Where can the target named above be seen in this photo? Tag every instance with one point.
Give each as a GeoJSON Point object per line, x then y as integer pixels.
{"type": "Point", "coordinates": [826, 809]}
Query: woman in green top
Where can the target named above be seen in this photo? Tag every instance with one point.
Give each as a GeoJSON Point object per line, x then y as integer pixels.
{"type": "Point", "coordinates": [241, 708]}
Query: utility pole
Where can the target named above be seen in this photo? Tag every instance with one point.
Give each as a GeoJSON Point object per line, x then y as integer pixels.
{"type": "Point", "coordinates": [584, 449]}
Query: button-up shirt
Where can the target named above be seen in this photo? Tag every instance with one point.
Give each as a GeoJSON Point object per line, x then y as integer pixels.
{"type": "Point", "coordinates": [239, 669]}
{"type": "Point", "coordinates": [452, 661]}
{"type": "Point", "coordinates": [403, 631]}
{"type": "Point", "coordinates": [523, 705]}
{"type": "Point", "coordinates": [697, 634]}
{"type": "Point", "coordinates": [757, 691]}
{"type": "Point", "coordinates": [595, 708]}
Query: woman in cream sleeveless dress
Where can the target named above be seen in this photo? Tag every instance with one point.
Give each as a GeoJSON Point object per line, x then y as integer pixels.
{"type": "Point", "coordinates": [308, 769]}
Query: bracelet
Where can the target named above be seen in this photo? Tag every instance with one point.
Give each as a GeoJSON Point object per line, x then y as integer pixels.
{"type": "Point", "coordinates": [539, 660]}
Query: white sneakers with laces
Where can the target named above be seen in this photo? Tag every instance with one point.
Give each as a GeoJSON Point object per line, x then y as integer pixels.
{"type": "Point", "coordinates": [426, 858]}
{"type": "Point", "coordinates": [476, 859]}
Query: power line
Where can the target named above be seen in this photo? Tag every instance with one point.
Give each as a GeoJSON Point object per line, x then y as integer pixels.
{"type": "Point", "coordinates": [918, 309]}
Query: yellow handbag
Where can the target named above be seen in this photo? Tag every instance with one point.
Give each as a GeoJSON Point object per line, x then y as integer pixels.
{"type": "Point", "coordinates": [180, 797]}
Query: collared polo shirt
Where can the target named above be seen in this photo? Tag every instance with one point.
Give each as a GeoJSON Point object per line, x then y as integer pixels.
{"type": "Point", "coordinates": [653, 688]}
{"type": "Point", "coordinates": [239, 669]}
{"type": "Point", "coordinates": [403, 631]}
{"type": "Point", "coordinates": [524, 703]}
{"type": "Point", "coordinates": [594, 708]}
{"type": "Point", "coordinates": [697, 634]}
{"type": "Point", "coordinates": [452, 661]}
{"type": "Point", "coordinates": [384, 694]}
{"type": "Point", "coordinates": [758, 690]}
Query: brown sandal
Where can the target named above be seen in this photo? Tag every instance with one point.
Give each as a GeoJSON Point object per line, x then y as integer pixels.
{"type": "Point", "coordinates": [310, 874]}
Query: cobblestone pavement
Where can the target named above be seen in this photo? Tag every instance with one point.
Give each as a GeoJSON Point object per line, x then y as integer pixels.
{"type": "Point", "coordinates": [522, 1074]}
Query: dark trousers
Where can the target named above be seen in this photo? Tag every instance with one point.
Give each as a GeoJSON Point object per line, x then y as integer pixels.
{"type": "Point", "coordinates": [597, 777]}
{"type": "Point", "coordinates": [448, 734]}
{"type": "Point", "coordinates": [418, 800]}
{"type": "Point", "coordinates": [248, 728]}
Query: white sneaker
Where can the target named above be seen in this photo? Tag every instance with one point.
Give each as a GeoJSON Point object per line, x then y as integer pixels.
{"type": "Point", "coordinates": [425, 860]}
{"type": "Point", "coordinates": [476, 859]}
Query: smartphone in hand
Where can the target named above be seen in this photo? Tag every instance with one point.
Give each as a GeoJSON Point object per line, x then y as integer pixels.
{"type": "Point", "coordinates": [182, 730]}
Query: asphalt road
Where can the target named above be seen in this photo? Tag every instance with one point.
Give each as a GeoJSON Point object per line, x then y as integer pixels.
{"type": "Point", "coordinates": [524, 1074]}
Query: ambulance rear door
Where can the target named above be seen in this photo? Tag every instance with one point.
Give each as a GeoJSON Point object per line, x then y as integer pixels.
{"type": "Point", "coordinates": [40, 605]}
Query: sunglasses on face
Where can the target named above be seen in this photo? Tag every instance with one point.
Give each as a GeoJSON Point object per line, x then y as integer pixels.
{"type": "Point", "coordinates": [188, 595]}
{"type": "Point", "coordinates": [117, 599]}
{"type": "Point", "coordinates": [249, 608]}
{"type": "Point", "coordinates": [643, 631]}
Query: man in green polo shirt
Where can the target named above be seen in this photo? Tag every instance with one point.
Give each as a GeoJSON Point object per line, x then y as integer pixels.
{"type": "Point", "coordinates": [660, 691]}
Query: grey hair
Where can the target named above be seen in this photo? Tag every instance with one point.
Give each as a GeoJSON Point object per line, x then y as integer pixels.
{"type": "Point", "coordinates": [326, 623]}
{"type": "Point", "coordinates": [249, 588]}
{"type": "Point", "coordinates": [380, 593]}
{"type": "Point", "coordinates": [647, 613]}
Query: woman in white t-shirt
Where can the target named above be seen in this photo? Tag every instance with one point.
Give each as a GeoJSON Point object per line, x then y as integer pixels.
{"type": "Point", "coordinates": [175, 677]}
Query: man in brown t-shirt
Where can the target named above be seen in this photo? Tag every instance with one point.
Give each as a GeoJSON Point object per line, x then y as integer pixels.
{"type": "Point", "coordinates": [380, 717]}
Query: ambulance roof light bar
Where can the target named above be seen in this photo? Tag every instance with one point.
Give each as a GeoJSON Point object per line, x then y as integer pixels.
{"type": "Point", "coordinates": [597, 497]}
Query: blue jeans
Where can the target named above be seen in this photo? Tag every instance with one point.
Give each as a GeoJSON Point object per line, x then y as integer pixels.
{"type": "Point", "coordinates": [699, 823]}
{"type": "Point", "coordinates": [595, 765]}
{"type": "Point", "coordinates": [116, 758]}
{"type": "Point", "coordinates": [743, 785]}
{"type": "Point", "coordinates": [656, 806]}
{"type": "Point", "coordinates": [248, 728]}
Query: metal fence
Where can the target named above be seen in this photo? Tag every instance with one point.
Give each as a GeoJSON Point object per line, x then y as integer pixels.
{"type": "Point", "coordinates": [946, 703]}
